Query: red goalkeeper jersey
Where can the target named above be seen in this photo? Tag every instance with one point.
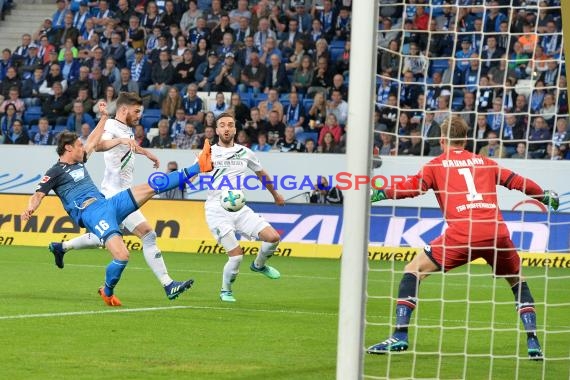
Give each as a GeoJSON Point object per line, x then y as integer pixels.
{"type": "Point", "coordinates": [465, 185]}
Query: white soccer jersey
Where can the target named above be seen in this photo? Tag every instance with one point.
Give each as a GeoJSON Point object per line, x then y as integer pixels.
{"type": "Point", "coordinates": [119, 161]}
{"type": "Point", "coordinates": [231, 166]}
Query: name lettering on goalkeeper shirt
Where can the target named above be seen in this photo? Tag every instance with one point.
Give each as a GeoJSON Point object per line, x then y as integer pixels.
{"type": "Point", "coordinates": [462, 163]}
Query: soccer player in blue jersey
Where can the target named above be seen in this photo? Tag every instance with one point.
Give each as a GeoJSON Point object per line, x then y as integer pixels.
{"type": "Point", "coordinates": [87, 207]}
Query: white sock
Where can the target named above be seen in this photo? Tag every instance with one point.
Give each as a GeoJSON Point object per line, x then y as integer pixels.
{"type": "Point", "coordinates": [231, 270]}
{"type": "Point", "coordinates": [154, 259]}
{"type": "Point", "coordinates": [266, 251]}
{"type": "Point", "coordinates": [87, 240]}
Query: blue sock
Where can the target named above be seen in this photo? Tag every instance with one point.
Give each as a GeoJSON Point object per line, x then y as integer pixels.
{"type": "Point", "coordinates": [406, 304]}
{"type": "Point", "coordinates": [113, 275]}
{"type": "Point", "coordinates": [525, 307]}
{"type": "Point", "coordinates": [178, 179]}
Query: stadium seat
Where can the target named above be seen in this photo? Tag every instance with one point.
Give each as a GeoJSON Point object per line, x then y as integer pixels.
{"type": "Point", "coordinates": [59, 128]}
{"type": "Point", "coordinates": [32, 114]}
{"type": "Point", "coordinates": [335, 53]}
{"type": "Point", "coordinates": [335, 44]}
{"type": "Point", "coordinates": [149, 122]}
{"type": "Point", "coordinates": [303, 136]}
{"type": "Point", "coordinates": [308, 103]}
{"type": "Point", "coordinates": [32, 130]}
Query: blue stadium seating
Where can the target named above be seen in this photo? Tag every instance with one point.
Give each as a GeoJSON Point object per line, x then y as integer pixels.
{"type": "Point", "coordinates": [308, 103]}
{"type": "Point", "coordinates": [303, 136]}
{"type": "Point", "coordinates": [150, 117]}
{"type": "Point", "coordinates": [59, 128]}
{"type": "Point", "coordinates": [32, 114]}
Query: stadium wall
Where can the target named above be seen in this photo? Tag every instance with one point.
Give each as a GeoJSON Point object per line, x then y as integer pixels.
{"type": "Point", "coordinates": [23, 173]}
{"type": "Point", "coordinates": [306, 230]}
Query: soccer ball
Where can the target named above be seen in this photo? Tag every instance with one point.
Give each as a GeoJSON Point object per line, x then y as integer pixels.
{"type": "Point", "coordinates": [232, 200]}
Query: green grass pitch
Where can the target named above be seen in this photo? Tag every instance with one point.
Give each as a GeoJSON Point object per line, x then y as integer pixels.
{"type": "Point", "coordinates": [53, 325]}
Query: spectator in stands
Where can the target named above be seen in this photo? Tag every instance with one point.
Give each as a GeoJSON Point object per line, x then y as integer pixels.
{"type": "Point", "coordinates": [318, 111]}
{"type": "Point", "coordinates": [520, 151]}
{"type": "Point", "coordinates": [388, 33]}
{"type": "Point", "coordinates": [45, 49]}
{"type": "Point", "coordinates": [254, 125]}
{"type": "Point", "coordinates": [220, 105]}
{"type": "Point", "coordinates": [561, 134]}
{"type": "Point", "coordinates": [110, 99]}
{"type": "Point", "coordinates": [53, 107]}
{"type": "Point", "coordinates": [553, 152]}
{"type": "Point", "coordinates": [338, 107]}
{"type": "Point", "coordinates": [170, 16]}
{"type": "Point", "coordinates": [276, 76]}
{"type": "Point", "coordinates": [68, 33]}
{"type": "Point", "coordinates": [215, 13]}
{"type": "Point", "coordinates": [177, 123]}
{"type": "Point", "coordinates": [59, 15]}
{"type": "Point", "coordinates": [253, 75]}
{"type": "Point", "coordinates": [494, 17]}
{"type": "Point", "coordinates": [292, 44]}
{"type": "Point", "coordinates": [141, 71]}
{"type": "Point", "coordinates": [509, 94]}
{"type": "Point", "coordinates": [447, 19]}
{"type": "Point", "coordinates": [431, 133]}
{"type": "Point", "coordinates": [294, 113]}
{"type": "Point", "coordinates": [44, 136]}
{"type": "Point", "coordinates": [193, 106]}
{"type": "Point", "coordinates": [123, 13]}
{"type": "Point", "coordinates": [151, 17]}
{"type": "Point", "coordinates": [200, 31]}
{"type": "Point", "coordinates": [537, 97]}
{"type": "Point", "coordinates": [239, 109]}
{"type": "Point", "coordinates": [134, 38]}
{"type": "Point", "coordinates": [188, 138]}
{"type": "Point", "coordinates": [10, 81]}
{"type": "Point", "coordinates": [83, 97]}
{"type": "Point", "coordinates": [243, 139]}
{"type": "Point", "coordinates": [303, 76]}
{"type": "Point", "coordinates": [209, 120]}
{"type": "Point", "coordinates": [331, 126]}
{"type": "Point", "coordinates": [207, 72]}
{"type": "Point", "coordinates": [485, 95]}
{"type": "Point", "coordinates": [185, 70]}
{"type": "Point", "coordinates": [10, 115]}
{"type": "Point", "coordinates": [321, 50]}
{"type": "Point", "coordinates": [238, 13]}
{"type": "Point", "coordinates": [98, 84]}
{"type": "Point", "coordinates": [30, 62]}
{"type": "Point", "coordinates": [275, 127]}
{"type": "Point", "coordinates": [228, 76]}
{"type": "Point", "coordinates": [310, 146]}
{"type": "Point", "coordinates": [390, 60]}
{"type": "Point", "coordinates": [512, 133]}
{"type": "Point", "coordinates": [161, 47]}
{"type": "Point", "coordinates": [190, 18]}
{"type": "Point", "coordinates": [343, 60]}
{"type": "Point", "coordinates": [244, 31]}
{"type": "Point", "coordinates": [79, 117]}
{"type": "Point", "coordinates": [551, 42]}
{"type": "Point", "coordinates": [14, 99]}
{"type": "Point", "coordinates": [495, 116]}
{"type": "Point", "coordinates": [289, 143]}
{"type": "Point", "coordinates": [387, 146]}
{"type": "Point", "coordinates": [5, 63]}
{"type": "Point", "coordinates": [562, 95]}
{"type": "Point", "coordinates": [441, 44]}
{"type": "Point", "coordinates": [31, 88]}
{"type": "Point", "coordinates": [343, 24]}
{"type": "Point", "coordinates": [409, 91]}
{"type": "Point", "coordinates": [481, 133]}
{"type": "Point", "coordinates": [209, 134]}
{"type": "Point", "coordinates": [271, 104]}
{"type": "Point", "coordinates": [69, 68]}
{"type": "Point", "coordinates": [261, 145]}
{"type": "Point", "coordinates": [388, 115]}
{"type": "Point", "coordinates": [550, 76]}
{"type": "Point", "coordinates": [171, 103]}
{"type": "Point", "coordinates": [97, 60]}
{"type": "Point", "coordinates": [328, 144]}
{"type": "Point", "coordinates": [262, 35]}
{"type": "Point", "coordinates": [221, 32]}
{"type": "Point", "coordinates": [163, 140]}
{"type": "Point", "coordinates": [81, 81]}
{"type": "Point", "coordinates": [315, 34]}
{"type": "Point", "coordinates": [548, 109]}
{"type": "Point", "coordinates": [417, 146]}
{"type": "Point", "coordinates": [322, 77]}
{"type": "Point", "coordinates": [116, 50]}
{"type": "Point", "coordinates": [244, 54]}
{"type": "Point", "coordinates": [125, 83]}
{"type": "Point", "coordinates": [539, 135]}
{"type": "Point", "coordinates": [491, 55]}
{"type": "Point", "coordinates": [162, 77]}
{"type": "Point", "coordinates": [140, 137]}
{"type": "Point", "coordinates": [18, 136]}
{"type": "Point", "coordinates": [518, 61]}
{"type": "Point", "coordinates": [494, 149]}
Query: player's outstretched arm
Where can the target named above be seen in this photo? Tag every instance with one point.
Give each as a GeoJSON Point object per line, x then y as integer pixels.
{"type": "Point", "coordinates": [410, 188]}
{"type": "Point", "coordinates": [33, 204]}
{"type": "Point", "coordinates": [95, 136]}
{"type": "Point", "coordinates": [105, 145]}
{"type": "Point", "coordinates": [266, 180]}
{"type": "Point", "coordinates": [551, 199]}
{"type": "Point", "coordinates": [140, 150]}
{"type": "Point", "coordinates": [513, 181]}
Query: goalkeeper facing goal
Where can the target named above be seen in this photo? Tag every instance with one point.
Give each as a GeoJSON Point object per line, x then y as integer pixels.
{"type": "Point", "coordinates": [465, 187]}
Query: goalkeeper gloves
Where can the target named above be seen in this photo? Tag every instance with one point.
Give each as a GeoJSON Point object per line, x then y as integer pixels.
{"type": "Point", "coordinates": [550, 198]}
{"type": "Point", "coordinates": [377, 195]}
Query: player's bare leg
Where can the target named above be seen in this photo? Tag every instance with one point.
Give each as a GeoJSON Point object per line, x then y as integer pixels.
{"type": "Point", "coordinates": [415, 271]}
{"type": "Point", "coordinates": [155, 261]}
{"type": "Point", "coordinates": [527, 313]}
{"type": "Point", "coordinates": [269, 242]}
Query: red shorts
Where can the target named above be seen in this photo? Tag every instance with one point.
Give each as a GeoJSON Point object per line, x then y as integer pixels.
{"type": "Point", "coordinates": [500, 254]}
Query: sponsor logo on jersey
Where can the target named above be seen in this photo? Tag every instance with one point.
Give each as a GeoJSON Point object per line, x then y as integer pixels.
{"type": "Point", "coordinates": [77, 174]}
{"type": "Point", "coordinates": [45, 179]}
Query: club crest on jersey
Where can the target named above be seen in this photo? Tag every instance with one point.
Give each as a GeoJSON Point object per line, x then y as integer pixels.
{"type": "Point", "coordinates": [77, 174]}
{"type": "Point", "coordinates": [45, 179]}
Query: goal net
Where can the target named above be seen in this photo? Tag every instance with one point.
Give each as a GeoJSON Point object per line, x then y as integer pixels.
{"type": "Point", "coordinates": [498, 64]}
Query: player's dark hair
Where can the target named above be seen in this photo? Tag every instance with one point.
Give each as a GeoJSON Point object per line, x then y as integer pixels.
{"type": "Point", "coordinates": [129, 99]}
{"type": "Point", "coordinates": [454, 129]}
{"type": "Point", "coordinates": [63, 139]}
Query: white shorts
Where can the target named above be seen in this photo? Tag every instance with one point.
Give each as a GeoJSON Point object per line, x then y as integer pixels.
{"type": "Point", "coordinates": [133, 220]}
{"type": "Point", "coordinates": [245, 221]}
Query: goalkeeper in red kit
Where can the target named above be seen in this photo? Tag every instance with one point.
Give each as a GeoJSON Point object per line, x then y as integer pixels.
{"type": "Point", "coordinates": [465, 187]}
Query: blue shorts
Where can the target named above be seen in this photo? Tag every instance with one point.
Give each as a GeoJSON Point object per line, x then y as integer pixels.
{"type": "Point", "coordinates": [103, 216]}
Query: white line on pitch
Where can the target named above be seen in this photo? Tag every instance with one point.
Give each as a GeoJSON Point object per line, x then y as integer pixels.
{"type": "Point", "coordinates": [151, 309]}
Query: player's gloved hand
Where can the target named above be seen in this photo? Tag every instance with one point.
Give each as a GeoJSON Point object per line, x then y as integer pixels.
{"type": "Point", "coordinates": [551, 199]}
{"type": "Point", "coordinates": [377, 195]}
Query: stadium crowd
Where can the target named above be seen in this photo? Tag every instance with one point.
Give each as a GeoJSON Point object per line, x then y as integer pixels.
{"type": "Point", "coordinates": [282, 68]}
{"type": "Point", "coordinates": [279, 66]}
{"type": "Point", "coordinates": [497, 63]}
